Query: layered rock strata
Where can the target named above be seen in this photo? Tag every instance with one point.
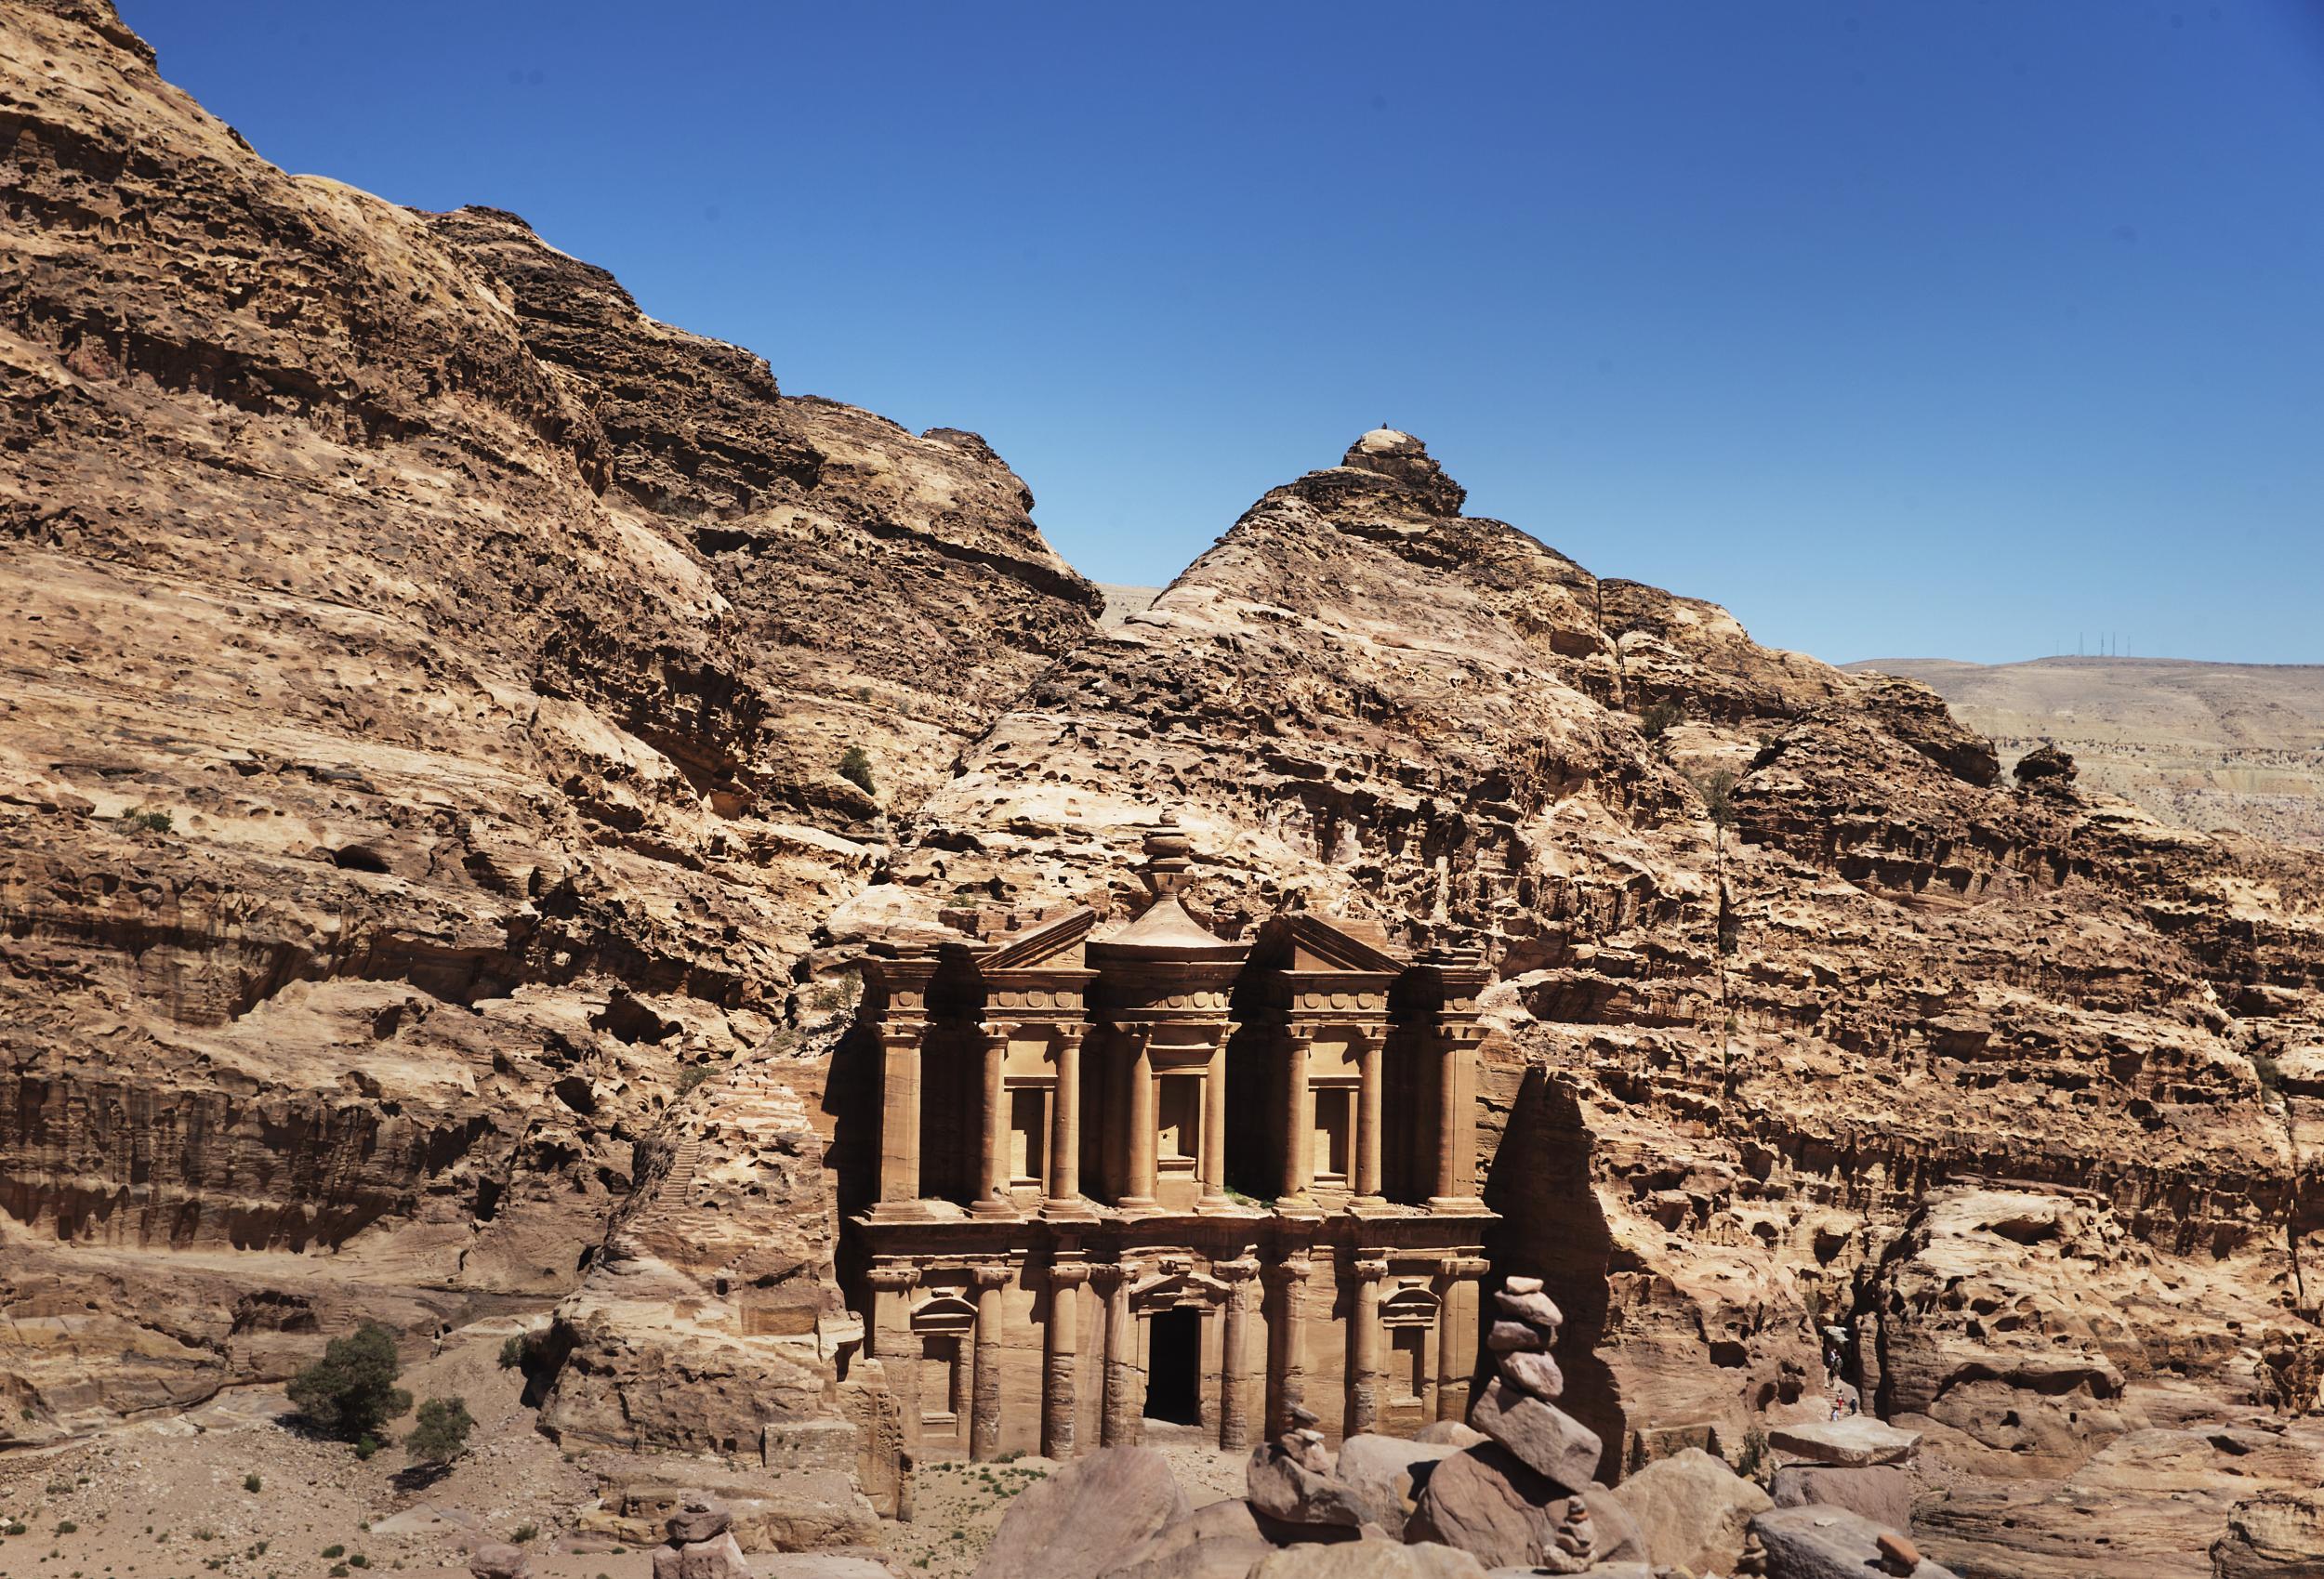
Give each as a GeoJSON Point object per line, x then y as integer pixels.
{"type": "Point", "coordinates": [427, 682]}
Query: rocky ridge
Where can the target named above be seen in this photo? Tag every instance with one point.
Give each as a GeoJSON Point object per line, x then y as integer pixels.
{"type": "Point", "coordinates": [1804, 1014]}
{"type": "Point", "coordinates": [428, 680]}
{"type": "Point", "coordinates": [427, 881]}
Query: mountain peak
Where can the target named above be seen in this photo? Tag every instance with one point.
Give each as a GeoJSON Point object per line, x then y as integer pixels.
{"type": "Point", "coordinates": [1391, 453]}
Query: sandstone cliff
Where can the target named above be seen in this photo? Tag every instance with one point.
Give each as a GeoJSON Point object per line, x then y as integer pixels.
{"type": "Point", "coordinates": [1785, 968]}
{"type": "Point", "coordinates": [428, 680]}
{"type": "Point", "coordinates": [427, 879]}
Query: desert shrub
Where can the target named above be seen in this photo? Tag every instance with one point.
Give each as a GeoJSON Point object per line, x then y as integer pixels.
{"type": "Point", "coordinates": [522, 1534]}
{"type": "Point", "coordinates": [365, 1447]}
{"type": "Point", "coordinates": [855, 768]}
{"type": "Point", "coordinates": [691, 1077]}
{"type": "Point", "coordinates": [155, 822]}
{"type": "Point", "coordinates": [334, 1550]}
{"type": "Point", "coordinates": [252, 1484]}
{"type": "Point", "coordinates": [1717, 788]}
{"type": "Point", "coordinates": [1656, 720]}
{"type": "Point", "coordinates": [66, 1527]}
{"type": "Point", "coordinates": [350, 1391]}
{"type": "Point", "coordinates": [441, 1435]}
{"type": "Point", "coordinates": [2270, 1073]}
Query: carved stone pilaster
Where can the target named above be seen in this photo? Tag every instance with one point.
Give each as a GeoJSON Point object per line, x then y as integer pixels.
{"type": "Point", "coordinates": [1124, 1403]}
{"type": "Point", "coordinates": [1061, 1358]}
{"type": "Point", "coordinates": [1364, 1343]}
{"type": "Point", "coordinates": [985, 1395]}
{"type": "Point", "coordinates": [1287, 1354]}
{"type": "Point", "coordinates": [1240, 1277]}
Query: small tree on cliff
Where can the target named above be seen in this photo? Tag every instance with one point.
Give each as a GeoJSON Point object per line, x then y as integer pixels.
{"type": "Point", "coordinates": [351, 1392]}
{"type": "Point", "coordinates": [855, 768]}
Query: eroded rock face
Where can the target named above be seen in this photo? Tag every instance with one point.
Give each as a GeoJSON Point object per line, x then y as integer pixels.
{"type": "Point", "coordinates": [427, 681]}
{"type": "Point", "coordinates": [1782, 960]}
{"type": "Point", "coordinates": [426, 684]}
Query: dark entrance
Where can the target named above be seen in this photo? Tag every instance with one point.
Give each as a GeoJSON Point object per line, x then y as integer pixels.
{"type": "Point", "coordinates": [1174, 1365]}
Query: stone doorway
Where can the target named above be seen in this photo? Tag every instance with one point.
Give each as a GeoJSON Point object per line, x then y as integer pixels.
{"type": "Point", "coordinates": [1174, 1365]}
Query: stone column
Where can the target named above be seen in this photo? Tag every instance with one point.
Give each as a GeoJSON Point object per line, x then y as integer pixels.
{"type": "Point", "coordinates": [985, 1395]}
{"type": "Point", "coordinates": [1214, 1196]}
{"type": "Point", "coordinates": [1060, 1358]}
{"type": "Point", "coordinates": [1124, 1401]}
{"type": "Point", "coordinates": [900, 1042]}
{"type": "Point", "coordinates": [1368, 1101]}
{"type": "Point", "coordinates": [1143, 1136]}
{"type": "Point", "coordinates": [1455, 1123]}
{"type": "Point", "coordinates": [1364, 1347]}
{"type": "Point", "coordinates": [1299, 1121]}
{"type": "Point", "coordinates": [1456, 1336]}
{"type": "Point", "coordinates": [888, 1339]}
{"type": "Point", "coordinates": [1065, 1125]}
{"type": "Point", "coordinates": [992, 1197]}
{"type": "Point", "coordinates": [1287, 1359]}
{"type": "Point", "coordinates": [1234, 1367]}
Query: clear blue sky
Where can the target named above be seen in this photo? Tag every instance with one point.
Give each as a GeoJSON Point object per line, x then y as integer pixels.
{"type": "Point", "coordinates": [1901, 329]}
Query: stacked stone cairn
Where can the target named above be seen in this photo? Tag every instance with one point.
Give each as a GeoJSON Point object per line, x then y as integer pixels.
{"type": "Point", "coordinates": [1294, 1480]}
{"type": "Point", "coordinates": [1530, 1496]}
{"type": "Point", "coordinates": [702, 1545]}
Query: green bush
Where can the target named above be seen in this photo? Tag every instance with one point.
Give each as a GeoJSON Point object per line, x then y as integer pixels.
{"type": "Point", "coordinates": [855, 768]}
{"type": "Point", "coordinates": [252, 1484]}
{"type": "Point", "coordinates": [365, 1447]}
{"type": "Point", "coordinates": [1655, 722]}
{"type": "Point", "coordinates": [441, 1433]}
{"type": "Point", "coordinates": [351, 1392]}
{"type": "Point", "coordinates": [334, 1550]}
{"type": "Point", "coordinates": [155, 822]}
{"type": "Point", "coordinates": [522, 1534]}
{"type": "Point", "coordinates": [1717, 788]}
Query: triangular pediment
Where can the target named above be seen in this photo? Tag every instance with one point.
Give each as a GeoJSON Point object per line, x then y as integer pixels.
{"type": "Point", "coordinates": [1054, 943]}
{"type": "Point", "coordinates": [1301, 939]}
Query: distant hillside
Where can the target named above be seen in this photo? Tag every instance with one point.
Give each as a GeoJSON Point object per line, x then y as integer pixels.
{"type": "Point", "coordinates": [1122, 601]}
{"type": "Point", "coordinates": [2203, 745]}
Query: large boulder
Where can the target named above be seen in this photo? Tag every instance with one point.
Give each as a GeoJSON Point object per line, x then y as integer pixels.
{"type": "Point", "coordinates": [2280, 1535]}
{"type": "Point", "coordinates": [1849, 1444]}
{"type": "Point", "coordinates": [1489, 1503]}
{"type": "Point", "coordinates": [1830, 1543]}
{"type": "Point", "coordinates": [1552, 1441]}
{"type": "Point", "coordinates": [1088, 1517]}
{"type": "Point", "coordinates": [1882, 1492]}
{"type": "Point", "coordinates": [498, 1559]}
{"type": "Point", "coordinates": [1692, 1510]}
{"type": "Point", "coordinates": [1368, 1560]}
{"type": "Point", "coordinates": [1219, 1540]}
{"type": "Point", "coordinates": [1385, 1474]}
{"type": "Point", "coordinates": [1281, 1487]}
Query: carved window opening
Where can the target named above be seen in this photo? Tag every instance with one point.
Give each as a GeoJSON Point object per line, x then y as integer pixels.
{"type": "Point", "coordinates": [944, 1380]}
{"type": "Point", "coordinates": [1408, 1368]}
{"type": "Point", "coordinates": [1028, 1135]}
{"type": "Point", "coordinates": [1179, 1112]}
{"type": "Point", "coordinates": [1335, 1134]}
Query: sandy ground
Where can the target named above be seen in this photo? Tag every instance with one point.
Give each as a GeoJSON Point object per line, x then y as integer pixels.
{"type": "Point", "coordinates": [168, 1499]}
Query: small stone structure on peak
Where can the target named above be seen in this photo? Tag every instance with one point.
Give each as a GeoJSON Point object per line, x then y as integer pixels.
{"type": "Point", "coordinates": [1391, 453]}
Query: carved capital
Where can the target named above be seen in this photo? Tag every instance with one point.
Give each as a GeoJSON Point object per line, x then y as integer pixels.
{"type": "Point", "coordinates": [1069, 1274]}
{"type": "Point", "coordinates": [1368, 1270]}
{"type": "Point", "coordinates": [1466, 1267]}
{"type": "Point", "coordinates": [1239, 1271]}
{"type": "Point", "coordinates": [893, 1279]}
{"type": "Point", "coordinates": [1115, 1278]}
{"type": "Point", "coordinates": [993, 1274]}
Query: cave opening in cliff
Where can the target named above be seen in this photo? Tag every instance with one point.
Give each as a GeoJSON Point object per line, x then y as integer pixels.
{"type": "Point", "coordinates": [1174, 1366]}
